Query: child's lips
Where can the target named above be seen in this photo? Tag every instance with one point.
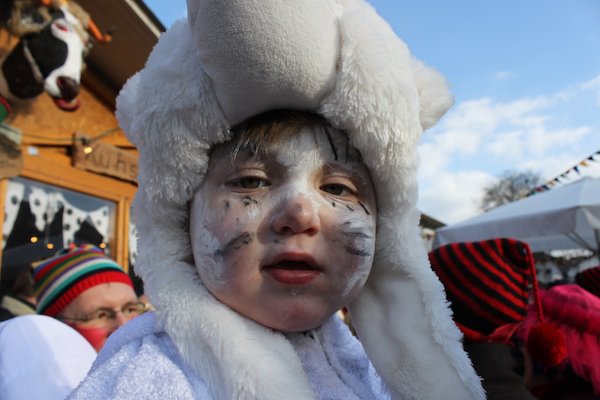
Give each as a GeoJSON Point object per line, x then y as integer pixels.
{"type": "Point", "coordinates": [293, 269]}
{"type": "Point", "coordinates": [292, 276]}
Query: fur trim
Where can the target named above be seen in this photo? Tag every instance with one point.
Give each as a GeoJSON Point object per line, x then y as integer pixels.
{"type": "Point", "coordinates": [383, 99]}
{"type": "Point", "coordinates": [162, 107]}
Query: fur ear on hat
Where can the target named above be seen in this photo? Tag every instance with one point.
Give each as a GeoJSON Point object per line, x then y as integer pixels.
{"type": "Point", "coordinates": [434, 98]}
{"type": "Point", "coordinates": [300, 65]}
{"type": "Point", "coordinates": [162, 107]}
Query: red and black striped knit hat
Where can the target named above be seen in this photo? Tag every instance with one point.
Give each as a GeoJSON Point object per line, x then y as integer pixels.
{"type": "Point", "coordinates": [488, 284]}
{"type": "Point", "coordinates": [589, 279]}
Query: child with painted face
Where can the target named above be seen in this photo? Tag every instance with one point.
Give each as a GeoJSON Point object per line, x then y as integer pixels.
{"type": "Point", "coordinates": [277, 185]}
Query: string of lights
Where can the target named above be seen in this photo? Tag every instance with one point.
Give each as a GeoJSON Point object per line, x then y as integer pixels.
{"type": "Point", "coordinates": [88, 141]}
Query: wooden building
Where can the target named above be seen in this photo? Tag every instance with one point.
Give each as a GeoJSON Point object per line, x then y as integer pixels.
{"type": "Point", "coordinates": [69, 177]}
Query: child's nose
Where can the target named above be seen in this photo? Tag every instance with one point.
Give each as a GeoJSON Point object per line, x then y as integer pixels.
{"type": "Point", "coordinates": [296, 214]}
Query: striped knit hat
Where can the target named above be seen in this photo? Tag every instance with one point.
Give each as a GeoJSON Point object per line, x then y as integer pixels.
{"type": "Point", "coordinates": [487, 284]}
{"type": "Point", "coordinates": [60, 279]}
{"type": "Point", "coordinates": [589, 280]}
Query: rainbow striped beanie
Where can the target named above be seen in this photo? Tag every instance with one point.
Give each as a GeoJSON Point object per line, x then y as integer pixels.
{"type": "Point", "coordinates": [60, 279]}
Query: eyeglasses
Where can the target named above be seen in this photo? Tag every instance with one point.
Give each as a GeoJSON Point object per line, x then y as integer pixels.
{"type": "Point", "coordinates": [107, 316]}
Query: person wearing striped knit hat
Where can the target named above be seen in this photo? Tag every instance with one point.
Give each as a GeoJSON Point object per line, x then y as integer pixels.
{"type": "Point", "coordinates": [87, 290]}
{"type": "Point", "coordinates": [489, 285]}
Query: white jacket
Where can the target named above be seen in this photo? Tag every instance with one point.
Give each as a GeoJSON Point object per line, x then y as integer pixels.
{"type": "Point", "coordinates": [139, 361]}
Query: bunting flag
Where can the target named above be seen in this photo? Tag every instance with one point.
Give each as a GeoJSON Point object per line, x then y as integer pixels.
{"type": "Point", "coordinates": [566, 174]}
{"type": "Point", "coordinates": [14, 196]}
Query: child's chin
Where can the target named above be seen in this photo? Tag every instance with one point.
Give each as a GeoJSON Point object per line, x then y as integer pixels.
{"type": "Point", "coordinates": [294, 325]}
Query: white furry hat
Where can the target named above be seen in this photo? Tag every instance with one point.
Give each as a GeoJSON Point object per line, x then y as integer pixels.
{"type": "Point", "coordinates": [235, 59]}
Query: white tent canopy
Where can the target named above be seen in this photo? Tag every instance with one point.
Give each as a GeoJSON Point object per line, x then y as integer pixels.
{"type": "Point", "coordinates": [567, 217]}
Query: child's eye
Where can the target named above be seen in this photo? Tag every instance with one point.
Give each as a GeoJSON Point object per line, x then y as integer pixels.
{"type": "Point", "coordinates": [249, 182]}
{"type": "Point", "coordinates": [337, 189]}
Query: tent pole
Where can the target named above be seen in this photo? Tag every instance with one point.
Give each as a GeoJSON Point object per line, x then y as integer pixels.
{"type": "Point", "coordinates": [582, 243]}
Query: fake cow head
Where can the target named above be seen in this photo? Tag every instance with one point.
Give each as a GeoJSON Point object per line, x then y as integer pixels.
{"type": "Point", "coordinates": [50, 60]}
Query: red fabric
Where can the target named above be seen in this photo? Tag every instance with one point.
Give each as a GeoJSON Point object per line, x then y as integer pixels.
{"type": "Point", "coordinates": [96, 336]}
{"type": "Point", "coordinates": [576, 312]}
{"type": "Point", "coordinates": [547, 344]}
{"type": "Point", "coordinates": [502, 335]}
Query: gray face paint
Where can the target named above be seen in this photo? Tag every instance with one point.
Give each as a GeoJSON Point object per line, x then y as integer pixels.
{"type": "Point", "coordinates": [298, 197]}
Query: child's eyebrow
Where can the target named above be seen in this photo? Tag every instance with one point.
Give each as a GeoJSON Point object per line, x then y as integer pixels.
{"type": "Point", "coordinates": [359, 175]}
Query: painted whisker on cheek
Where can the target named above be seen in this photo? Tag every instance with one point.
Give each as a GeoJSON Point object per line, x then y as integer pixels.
{"type": "Point", "coordinates": [226, 206]}
{"type": "Point", "coordinates": [331, 144]}
{"type": "Point", "coordinates": [364, 208]}
{"type": "Point", "coordinates": [357, 252]}
{"type": "Point", "coordinates": [357, 235]}
{"type": "Point", "coordinates": [333, 204]}
{"type": "Point", "coordinates": [358, 238]}
{"type": "Point", "coordinates": [349, 208]}
{"type": "Point", "coordinates": [244, 239]}
{"type": "Point", "coordinates": [247, 201]}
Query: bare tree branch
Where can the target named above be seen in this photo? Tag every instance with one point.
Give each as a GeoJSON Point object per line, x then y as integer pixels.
{"type": "Point", "coordinates": [512, 185]}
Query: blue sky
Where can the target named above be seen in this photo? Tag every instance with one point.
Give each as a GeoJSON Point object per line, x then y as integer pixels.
{"type": "Point", "coordinates": [526, 81]}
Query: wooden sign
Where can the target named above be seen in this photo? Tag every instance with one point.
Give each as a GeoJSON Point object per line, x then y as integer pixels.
{"type": "Point", "coordinates": [105, 159]}
{"type": "Point", "coordinates": [11, 161]}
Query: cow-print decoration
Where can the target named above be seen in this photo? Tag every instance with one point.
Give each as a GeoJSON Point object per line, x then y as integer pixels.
{"type": "Point", "coordinates": [41, 219]}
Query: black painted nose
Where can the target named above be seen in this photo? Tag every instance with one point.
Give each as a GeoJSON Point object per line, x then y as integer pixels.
{"type": "Point", "coordinates": [69, 88]}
